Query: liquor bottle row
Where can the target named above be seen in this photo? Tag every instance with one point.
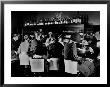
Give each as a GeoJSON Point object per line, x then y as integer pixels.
{"type": "Point", "coordinates": [55, 20]}
{"type": "Point", "coordinates": [30, 23]}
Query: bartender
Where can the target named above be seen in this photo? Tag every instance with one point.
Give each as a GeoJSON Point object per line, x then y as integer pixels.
{"type": "Point", "coordinates": [50, 39]}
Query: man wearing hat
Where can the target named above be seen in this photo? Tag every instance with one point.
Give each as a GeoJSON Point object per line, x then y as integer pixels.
{"type": "Point", "coordinates": [70, 56]}
{"type": "Point", "coordinates": [70, 50]}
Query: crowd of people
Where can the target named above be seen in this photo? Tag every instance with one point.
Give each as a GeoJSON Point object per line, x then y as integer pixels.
{"type": "Point", "coordinates": [57, 53]}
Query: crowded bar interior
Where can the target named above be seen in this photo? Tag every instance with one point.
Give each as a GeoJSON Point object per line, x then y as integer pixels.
{"type": "Point", "coordinates": [55, 44]}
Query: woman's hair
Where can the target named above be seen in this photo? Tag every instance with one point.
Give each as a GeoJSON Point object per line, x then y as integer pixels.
{"type": "Point", "coordinates": [25, 37]}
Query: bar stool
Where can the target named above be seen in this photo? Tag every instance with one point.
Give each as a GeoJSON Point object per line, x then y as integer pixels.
{"type": "Point", "coordinates": [70, 66]}
{"type": "Point", "coordinates": [37, 65]}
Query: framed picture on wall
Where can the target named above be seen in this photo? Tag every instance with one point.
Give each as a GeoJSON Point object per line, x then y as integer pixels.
{"type": "Point", "coordinates": [54, 42]}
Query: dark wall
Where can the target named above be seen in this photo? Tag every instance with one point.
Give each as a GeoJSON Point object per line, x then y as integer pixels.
{"type": "Point", "coordinates": [16, 22]}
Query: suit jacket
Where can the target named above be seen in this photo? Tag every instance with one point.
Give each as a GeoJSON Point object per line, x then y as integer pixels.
{"type": "Point", "coordinates": [70, 51]}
